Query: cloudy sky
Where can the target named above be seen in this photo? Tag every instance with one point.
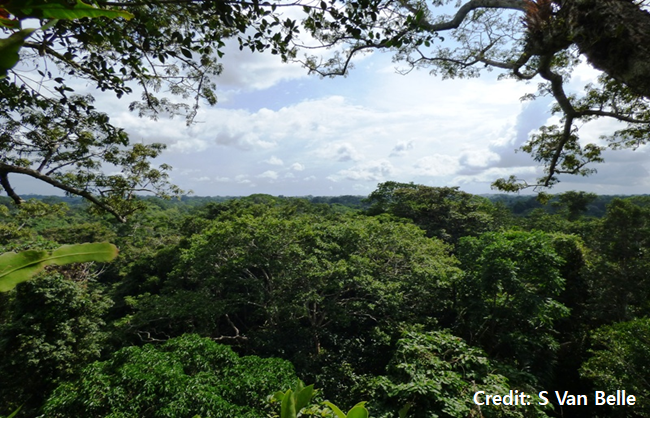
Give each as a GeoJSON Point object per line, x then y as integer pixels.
{"type": "Point", "coordinates": [278, 130]}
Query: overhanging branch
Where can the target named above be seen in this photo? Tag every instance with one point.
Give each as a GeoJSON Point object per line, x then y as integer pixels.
{"type": "Point", "coordinates": [6, 169]}
{"type": "Point", "coordinates": [455, 22]}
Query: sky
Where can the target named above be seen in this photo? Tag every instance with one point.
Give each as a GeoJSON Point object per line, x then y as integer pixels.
{"type": "Point", "coordinates": [280, 131]}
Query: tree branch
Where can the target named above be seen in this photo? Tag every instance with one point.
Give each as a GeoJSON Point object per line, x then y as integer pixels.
{"type": "Point", "coordinates": [468, 7]}
{"type": "Point", "coordinates": [4, 182]}
{"type": "Point", "coordinates": [6, 169]}
{"type": "Point", "coordinates": [617, 116]}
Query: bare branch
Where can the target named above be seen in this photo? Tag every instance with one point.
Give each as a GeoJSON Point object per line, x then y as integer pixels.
{"type": "Point", "coordinates": [4, 182]}
{"type": "Point", "coordinates": [473, 5]}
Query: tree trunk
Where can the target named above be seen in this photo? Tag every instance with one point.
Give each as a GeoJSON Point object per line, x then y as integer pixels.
{"type": "Point", "coordinates": [614, 35]}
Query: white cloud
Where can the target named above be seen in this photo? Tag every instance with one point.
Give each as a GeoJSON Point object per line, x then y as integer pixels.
{"type": "Point", "coordinates": [244, 70]}
{"type": "Point", "coordinates": [437, 165]}
{"type": "Point", "coordinates": [269, 174]}
{"type": "Point", "coordinates": [274, 160]}
{"type": "Point", "coordinates": [348, 134]}
{"type": "Point", "coordinates": [341, 152]}
{"type": "Point", "coordinates": [370, 171]}
{"type": "Point", "coordinates": [401, 148]}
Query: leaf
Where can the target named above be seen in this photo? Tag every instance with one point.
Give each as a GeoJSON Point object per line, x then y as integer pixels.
{"type": "Point", "coordinates": [336, 409]}
{"type": "Point", "coordinates": [9, 48]}
{"type": "Point", "coordinates": [10, 23]}
{"type": "Point", "coordinates": [19, 267]}
{"type": "Point", "coordinates": [303, 397]}
{"type": "Point", "coordinates": [13, 414]}
{"type": "Point", "coordinates": [405, 409]}
{"type": "Point", "coordinates": [62, 10]}
{"type": "Point", "coordinates": [358, 411]}
{"type": "Point", "coordinates": [288, 408]}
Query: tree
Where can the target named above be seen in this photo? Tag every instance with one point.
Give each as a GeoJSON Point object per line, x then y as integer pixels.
{"type": "Point", "coordinates": [619, 361]}
{"type": "Point", "coordinates": [184, 377]}
{"type": "Point", "coordinates": [508, 299]}
{"type": "Point", "coordinates": [51, 327]}
{"type": "Point", "coordinates": [436, 374]}
{"type": "Point", "coordinates": [329, 293]}
{"type": "Point", "coordinates": [443, 212]}
{"type": "Point", "coordinates": [573, 204]}
{"type": "Point", "coordinates": [618, 277]}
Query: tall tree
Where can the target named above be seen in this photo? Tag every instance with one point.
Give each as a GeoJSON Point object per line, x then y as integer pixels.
{"type": "Point", "coordinates": [443, 212]}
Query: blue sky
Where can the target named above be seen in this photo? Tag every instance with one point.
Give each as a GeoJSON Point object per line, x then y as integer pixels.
{"type": "Point", "coordinates": [278, 130]}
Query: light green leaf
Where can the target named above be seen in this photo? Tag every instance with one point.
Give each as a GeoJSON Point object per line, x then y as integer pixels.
{"type": "Point", "coordinates": [303, 397]}
{"type": "Point", "coordinates": [336, 409]}
{"type": "Point", "coordinates": [288, 408]}
{"type": "Point", "coordinates": [62, 10]}
{"type": "Point", "coordinates": [19, 267]}
{"type": "Point", "coordinates": [9, 48]}
{"type": "Point", "coordinates": [13, 414]}
{"type": "Point", "coordinates": [358, 411]}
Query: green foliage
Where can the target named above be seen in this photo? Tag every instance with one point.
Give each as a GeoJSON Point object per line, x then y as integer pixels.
{"type": "Point", "coordinates": [19, 223]}
{"type": "Point", "coordinates": [44, 10]}
{"type": "Point", "coordinates": [619, 361]}
{"type": "Point", "coordinates": [573, 204]}
{"type": "Point", "coordinates": [619, 287]}
{"type": "Point", "coordinates": [183, 377]}
{"type": "Point", "coordinates": [325, 292]}
{"type": "Point", "coordinates": [315, 271]}
{"type": "Point", "coordinates": [9, 48]}
{"type": "Point", "coordinates": [508, 298]}
{"type": "Point", "coordinates": [297, 402]}
{"type": "Point", "coordinates": [436, 374]}
{"type": "Point", "coordinates": [20, 267]}
{"type": "Point", "coordinates": [357, 411]}
{"type": "Point", "coordinates": [49, 328]}
{"type": "Point", "coordinates": [368, 308]}
{"type": "Point", "coordinates": [294, 400]}
{"type": "Point", "coordinates": [443, 212]}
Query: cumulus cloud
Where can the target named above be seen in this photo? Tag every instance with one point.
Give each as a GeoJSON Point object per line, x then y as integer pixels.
{"type": "Point", "coordinates": [255, 71]}
{"type": "Point", "coordinates": [343, 135]}
{"type": "Point", "coordinates": [437, 165]}
{"type": "Point", "coordinates": [370, 171]}
{"type": "Point", "coordinates": [272, 175]}
{"type": "Point", "coordinates": [274, 160]}
{"type": "Point", "coordinates": [341, 152]}
{"type": "Point", "coordinates": [401, 148]}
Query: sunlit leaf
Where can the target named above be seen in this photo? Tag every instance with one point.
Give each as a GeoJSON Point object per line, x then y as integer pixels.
{"type": "Point", "coordinates": [19, 267]}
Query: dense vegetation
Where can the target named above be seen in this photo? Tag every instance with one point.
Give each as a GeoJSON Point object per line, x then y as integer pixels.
{"type": "Point", "coordinates": [414, 299]}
